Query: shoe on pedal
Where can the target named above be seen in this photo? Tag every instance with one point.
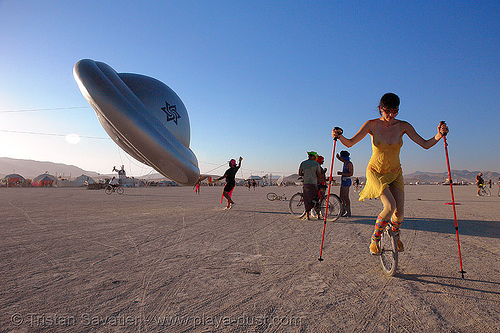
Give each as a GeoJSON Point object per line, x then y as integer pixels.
{"type": "Point", "coordinates": [375, 248]}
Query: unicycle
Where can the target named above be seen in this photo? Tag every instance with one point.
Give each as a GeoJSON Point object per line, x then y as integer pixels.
{"type": "Point", "coordinates": [389, 251]}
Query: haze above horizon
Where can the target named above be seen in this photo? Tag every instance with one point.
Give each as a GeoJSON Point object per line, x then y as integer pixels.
{"type": "Point", "coordinates": [266, 80]}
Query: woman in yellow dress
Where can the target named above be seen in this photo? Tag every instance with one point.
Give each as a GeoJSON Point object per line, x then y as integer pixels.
{"type": "Point", "coordinates": [384, 176]}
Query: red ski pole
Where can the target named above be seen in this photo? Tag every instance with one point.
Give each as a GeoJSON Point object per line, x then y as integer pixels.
{"type": "Point", "coordinates": [453, 200]}
{"type": "Point", "coordinates": [328, 195]}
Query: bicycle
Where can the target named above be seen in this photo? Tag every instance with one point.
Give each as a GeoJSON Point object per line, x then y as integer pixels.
{"type": "Point", "coordinates": [273, 196]}
{"type": "Point", "coordinates": [296, 206]}
{"type": "Point", "coordinates": [484, 191]}
{"type": "Point", "coordinates": [389, 251]}
{"type": "Point", "coordinates": [110, 189]}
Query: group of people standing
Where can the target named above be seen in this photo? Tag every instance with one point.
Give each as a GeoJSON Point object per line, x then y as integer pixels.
{"type": "Point", "coordinates": [314, 183]}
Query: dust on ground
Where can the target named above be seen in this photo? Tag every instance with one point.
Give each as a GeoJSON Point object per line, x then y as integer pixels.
{"type": "Point", "coordinates": [168, 260]}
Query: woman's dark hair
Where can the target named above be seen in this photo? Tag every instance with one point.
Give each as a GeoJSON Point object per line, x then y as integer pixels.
{"type": "Point", "coordinates": [390, 101]}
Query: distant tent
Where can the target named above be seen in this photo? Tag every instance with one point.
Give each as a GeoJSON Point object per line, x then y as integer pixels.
{"type": "Point", "coordinates": [44, 180]}
{"type": "Point", "coordinates": [83, 180]}
{"type": "Point", "coordinates": [14, 179]}
{"type": "Point", "coordinates": [279, 182]}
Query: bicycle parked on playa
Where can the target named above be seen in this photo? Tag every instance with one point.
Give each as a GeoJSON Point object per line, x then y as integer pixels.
{"type": "Point", "coordinates": [273, 196]}
{"type": "Point", "coordinates": [296, 205]}
{"type": "Point", "coordinates": [110, 189]}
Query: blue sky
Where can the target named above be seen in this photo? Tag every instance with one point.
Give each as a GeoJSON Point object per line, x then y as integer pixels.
{"type": "Point", "coordinates": [266, 80]}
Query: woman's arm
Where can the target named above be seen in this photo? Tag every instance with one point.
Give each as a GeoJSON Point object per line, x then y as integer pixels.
{"type": "Point", "coordinates": [363, 131]}
{"type": "Point", "coordinates": [426, 144]}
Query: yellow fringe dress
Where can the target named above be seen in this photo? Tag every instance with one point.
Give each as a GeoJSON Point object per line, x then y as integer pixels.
{"type": "Point", "coordinates": [384, 168]}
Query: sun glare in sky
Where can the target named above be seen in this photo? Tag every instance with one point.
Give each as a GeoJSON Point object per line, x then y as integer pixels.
{"type": "Point", "coordinates": [73, 138]}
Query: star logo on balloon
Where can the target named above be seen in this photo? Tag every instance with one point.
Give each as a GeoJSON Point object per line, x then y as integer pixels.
{"type": "Point", "coordinates": [171, 112]}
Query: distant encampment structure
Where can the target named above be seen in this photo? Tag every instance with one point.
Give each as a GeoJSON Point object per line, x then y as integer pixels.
{"type": "Point", "coordinates": [45, 180]}
{"type": "Point", "coordinates": [14, 180]}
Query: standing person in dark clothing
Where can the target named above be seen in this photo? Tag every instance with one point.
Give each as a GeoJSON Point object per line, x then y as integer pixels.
{"type": "Point", "coordinates": [230, 176]}
{"type": "Point", "coordinates": [310, 172]}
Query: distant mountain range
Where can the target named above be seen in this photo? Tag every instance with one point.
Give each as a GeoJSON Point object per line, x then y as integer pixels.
{"type": "Point", "coordinates": [456, 175]}
{"type": "Point", "coordinates": [30, 169]}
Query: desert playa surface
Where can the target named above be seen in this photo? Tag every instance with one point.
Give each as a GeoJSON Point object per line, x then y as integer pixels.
{"type": "Point", "coordinates": [168, 260]}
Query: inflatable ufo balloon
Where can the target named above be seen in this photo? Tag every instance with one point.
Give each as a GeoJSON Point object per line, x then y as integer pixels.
{"type": "Point", "coordinates": [143, 116]}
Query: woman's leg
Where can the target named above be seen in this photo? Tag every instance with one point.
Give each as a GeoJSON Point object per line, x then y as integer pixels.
{"type": "Point", "coordinates": [389, 203]}
{"type": "Point", "coordinates": [398, 216]}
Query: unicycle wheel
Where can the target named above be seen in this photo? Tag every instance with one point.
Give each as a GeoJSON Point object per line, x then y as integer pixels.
{"type": "Point", "coordinates": [389, 254]}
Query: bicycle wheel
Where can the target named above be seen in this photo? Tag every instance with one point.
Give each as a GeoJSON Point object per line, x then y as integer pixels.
{"type": "Point", "coordinates": [296, 204]}
{"type": "Point", "coordinates": [334, 208]}
{"type": "Point", "coordinates": [484, 192]}
{"type": "Point", "coordinates": [271, 196]}
{"type": "Point", "coordinates": [108, 190]}
{"type": "Point", "coordinates": [120, 190]}
{"type": "Point", "coordinates": [389, 254]}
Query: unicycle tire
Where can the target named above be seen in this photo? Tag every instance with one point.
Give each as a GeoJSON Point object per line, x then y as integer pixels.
{"type": "Point", "coordinates": [389, 252]}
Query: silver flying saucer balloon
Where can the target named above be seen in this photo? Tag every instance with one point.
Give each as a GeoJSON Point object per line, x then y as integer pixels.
{"type": "Point", "coordinates": [143, 116]}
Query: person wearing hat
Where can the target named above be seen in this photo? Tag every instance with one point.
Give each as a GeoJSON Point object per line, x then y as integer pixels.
{"type": "Point", "coordinates": [310, 172]}
{"type": "Point", "coordinates": [230, 176]}
{"type": "Point", "coordinates": [345, 181]}
{"type": "Point", "coordinates": [322, 179]}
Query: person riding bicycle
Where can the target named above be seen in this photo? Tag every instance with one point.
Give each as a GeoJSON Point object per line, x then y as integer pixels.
{"type": "Point", "coordinates": [384, 175]}
{"type": "Point", "coordinates": [114, 182]}
{"type": "Point", "coordinates": [479, 182]}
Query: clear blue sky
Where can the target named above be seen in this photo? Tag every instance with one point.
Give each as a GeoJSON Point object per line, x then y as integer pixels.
{"type": "Point", "coordinates": [266, 80]}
